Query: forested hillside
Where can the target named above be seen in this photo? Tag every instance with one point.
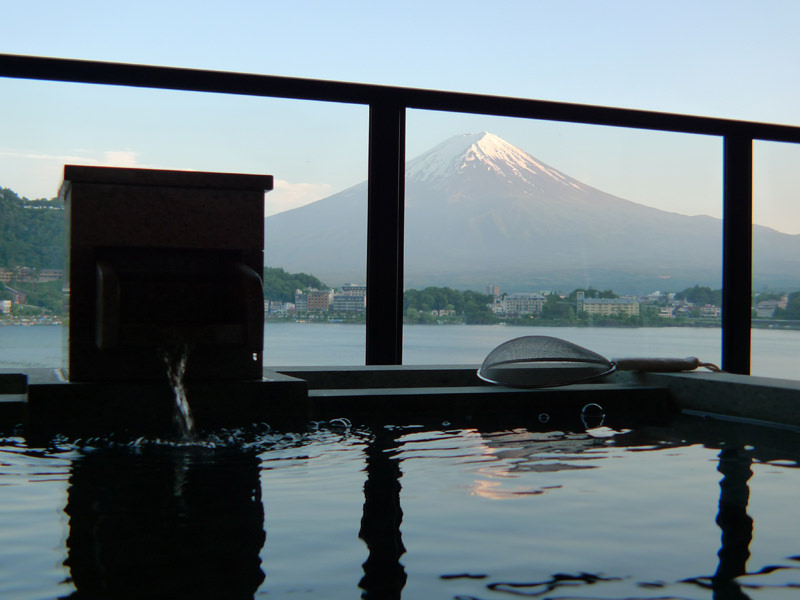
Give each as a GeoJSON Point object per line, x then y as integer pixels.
{"type": "Point", "coordinates": [31, 232]}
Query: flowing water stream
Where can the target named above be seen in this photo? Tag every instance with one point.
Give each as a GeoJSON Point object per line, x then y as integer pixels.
{"type": "Point", "coordinates": [175, 360]}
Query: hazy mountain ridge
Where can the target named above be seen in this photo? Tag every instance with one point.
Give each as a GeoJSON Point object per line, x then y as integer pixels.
{"type": "Point", "coordinates": [479, 211]}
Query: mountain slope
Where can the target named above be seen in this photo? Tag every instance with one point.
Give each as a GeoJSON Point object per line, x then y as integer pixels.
{"type": "Point", "coordinates": [479, 210]}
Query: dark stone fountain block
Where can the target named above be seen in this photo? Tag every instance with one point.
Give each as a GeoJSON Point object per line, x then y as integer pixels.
{"type": "Point", "coordinates": [130, 409]}
{"type": "Point", "coordinates": [161, 261]}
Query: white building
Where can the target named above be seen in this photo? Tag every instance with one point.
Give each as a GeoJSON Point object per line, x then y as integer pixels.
{"type": "Point", "coordinates": [300, 301]}
{"type": "Point", "coordinates": [607, 306]}
{"type": "Point", "coordinates": [522, 303]}
{"type": "Point", "coordinates": [350, 298]}
{"type": "Point", "coordinates": [766, 309]}
{"type": "Point", "coordinates": [709, 311]}
{"type": "Point", "coordinates": [278, 308]}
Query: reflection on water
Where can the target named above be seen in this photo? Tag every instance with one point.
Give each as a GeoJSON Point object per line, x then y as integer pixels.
{"type": "Point", "coordinates": [531, 451]}
{"type": "Point", "coordinates": [732, 581]}
{"type": "Point", "coordinates": [384, 576]}
{"type": "Point", "coordinates": [165, 522]}
{"type": "Point", "coordinates": [697, 510]}
{"type": "Point", "coordinates": [733, 520]}
{"type": "Point", "coordinates": [577, 526]}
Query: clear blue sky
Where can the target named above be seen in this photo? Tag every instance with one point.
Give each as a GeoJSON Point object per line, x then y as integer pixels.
{"type": "Point", "coordinates": [728, 58]}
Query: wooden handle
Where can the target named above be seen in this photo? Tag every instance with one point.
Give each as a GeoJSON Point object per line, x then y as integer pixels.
{"type": "Point", "coordinates": [662, 365]}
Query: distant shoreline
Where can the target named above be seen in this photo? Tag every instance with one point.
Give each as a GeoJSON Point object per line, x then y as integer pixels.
{"type": "Point", "coordinates": [665, 323]}
{"type": "Point", "coordinates": [775, 324]}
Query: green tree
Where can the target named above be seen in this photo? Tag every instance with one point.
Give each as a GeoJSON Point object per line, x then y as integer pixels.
{"type": "Point", "coordinates": [556, 307]}
{"type": "Point", "coordinates": [280, 286]}
{"type": "Point", "coordinates": [792, 310]}
{"type": "Point", "coordinates": [477, 308]}
{"type": "Point", "coordinates": [45, 297]}
{"type": "Point", "coordinates": [591, 293]}
{"type": "Point", "coordinates": [31, 232]}
{"type": "Point", "coordinates": [770, 296]}
{"type": "Point", "coordinates": [411, 315]}
{"type": "Point", "coordinates": [701, 295]}
{"type": "Point", "coordinates": [473, 306]}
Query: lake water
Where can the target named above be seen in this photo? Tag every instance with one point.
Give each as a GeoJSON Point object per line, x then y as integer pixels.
{"type": "Point", "coordinates": [776, 353]}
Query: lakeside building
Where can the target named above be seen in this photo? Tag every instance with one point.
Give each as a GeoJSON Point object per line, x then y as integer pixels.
{"type": "Point", "coordinates": [300, 301]}
{"type": "Point", "coordinates": [273, 307]}
{"type": "Point", "coordinates": [606, 307]}
{"type": "Point", "coordinates": [520, 303]}
{"type": "Point", "coordinates": [319, 300]}
{"type": "Point", "coordinates": [350, 298]}
{"type": "Point", "coordinates": [313, 300]}
{"type": "Point", "coordinates": [50, 275]}
{"type": "Point", "coordinates": [766, 308]}
{"type": "Point", "coordinates": [680, 308]}
{"type": "Point", "coordinates": [30, 274]}
{"type": "Point", "coordinates": [657, 296]}
{"type": "Point", "coordinates": [709, 311]}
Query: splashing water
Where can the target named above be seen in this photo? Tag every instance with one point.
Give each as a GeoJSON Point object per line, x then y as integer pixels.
{"type": "Point", "coordinates": [176, 368]}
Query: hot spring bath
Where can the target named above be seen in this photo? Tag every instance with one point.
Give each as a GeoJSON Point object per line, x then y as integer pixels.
{"type": "Point", "coordinates": [701, 509]}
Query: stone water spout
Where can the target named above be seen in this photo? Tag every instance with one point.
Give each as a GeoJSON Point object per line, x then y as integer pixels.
{"type": "Point", "coordinates": [159, 260]}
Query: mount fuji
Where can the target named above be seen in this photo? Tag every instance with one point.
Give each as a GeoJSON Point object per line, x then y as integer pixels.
{"type": "Point", "coordinates": [480, 211]}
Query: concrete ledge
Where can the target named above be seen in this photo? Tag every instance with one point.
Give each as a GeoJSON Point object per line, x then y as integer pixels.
{"type": "Point", "coordinates": [13, 394]}
{"type": "Point", "coordinates": [759, 398]}
{"type": "Point", "coordinates": [13, 383]}
{"type": "Point", "coordinates": [291, 396]}
{"type": "Point", "coordinates": [622, 405]}
{"type": "Point", "coordinates": [11, 409]}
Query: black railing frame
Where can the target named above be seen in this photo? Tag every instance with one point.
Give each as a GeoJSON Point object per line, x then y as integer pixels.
{"type": "Point", "coordinates": [385, 204]}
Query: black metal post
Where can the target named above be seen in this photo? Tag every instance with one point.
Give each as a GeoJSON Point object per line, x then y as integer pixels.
{"type": "Point", "coordinates": [385, 215]}
{"type": "Point", "coordinates": [737, 253]}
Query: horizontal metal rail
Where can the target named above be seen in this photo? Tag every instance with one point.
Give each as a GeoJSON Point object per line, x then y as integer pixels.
{"type": "Point", "coordinates": [388, 106]}
{"type": "Point", "coordinates": [172, 78]}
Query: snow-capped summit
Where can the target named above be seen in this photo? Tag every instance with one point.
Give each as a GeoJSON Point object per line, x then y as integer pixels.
{"type": "Point", "coordinates": [480, 152]}
{"type": "Point", "coordinates": [479, 209]}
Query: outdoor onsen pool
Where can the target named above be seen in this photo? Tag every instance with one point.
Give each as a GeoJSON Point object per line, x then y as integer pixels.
{"type": "Point", "coordinates": [699, 509]}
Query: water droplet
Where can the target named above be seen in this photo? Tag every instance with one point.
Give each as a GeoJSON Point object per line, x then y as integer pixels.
{"type": "Point", "coordinates": [593, 416]}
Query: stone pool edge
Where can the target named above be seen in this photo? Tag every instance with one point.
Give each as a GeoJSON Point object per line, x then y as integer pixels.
{"type": "Point", "coordinates": [385, 393]}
